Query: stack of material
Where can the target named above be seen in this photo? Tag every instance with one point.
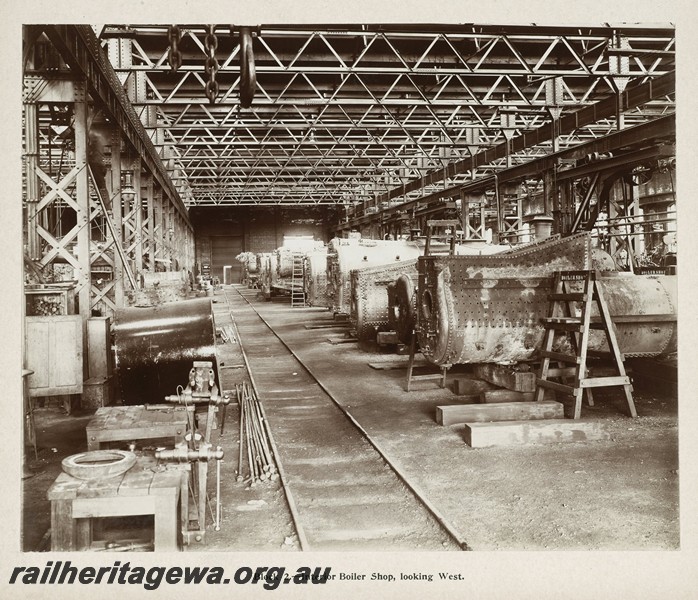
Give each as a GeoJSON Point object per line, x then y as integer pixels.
{"type": "Point", "coordinates": [43, 306]}
{"type": "Point", "coordinates": [255, 446]}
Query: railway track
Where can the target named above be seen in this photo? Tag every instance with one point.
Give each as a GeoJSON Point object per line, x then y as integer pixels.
{"type": "Point", "coordinates": [342, 490]}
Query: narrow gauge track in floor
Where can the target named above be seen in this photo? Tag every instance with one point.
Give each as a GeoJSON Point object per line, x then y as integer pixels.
{"type": "Point", "coordinates": [342, 490]}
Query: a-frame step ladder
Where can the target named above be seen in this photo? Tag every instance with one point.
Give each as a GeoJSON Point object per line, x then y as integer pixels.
{"type": "Point", "coordinates": [297, 285]}
{"type": "Point", "coordinates": [562, 317]}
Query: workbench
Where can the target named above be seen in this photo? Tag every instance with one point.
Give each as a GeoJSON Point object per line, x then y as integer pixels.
{"type": "Point", "coordinates": [145, 489]}
{"type": "Point", "coordinates": [127, 423]}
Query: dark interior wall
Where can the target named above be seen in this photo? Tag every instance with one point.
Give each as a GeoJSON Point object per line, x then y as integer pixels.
{"type": "Point", "coordinates": [221, 230]}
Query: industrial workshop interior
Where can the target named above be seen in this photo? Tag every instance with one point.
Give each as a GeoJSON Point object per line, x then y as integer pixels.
{"type": "Point", "coordinates": [349, 287]}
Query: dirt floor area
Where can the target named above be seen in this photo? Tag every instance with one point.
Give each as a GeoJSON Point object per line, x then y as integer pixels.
{"type": "Point", "coordinates": [619, 494]}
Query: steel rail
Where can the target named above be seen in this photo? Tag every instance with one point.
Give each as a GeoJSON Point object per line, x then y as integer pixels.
{"type": "Point", "coordinates": [290, 501]}
{"type": "Point", "coordinates": [416, 490]}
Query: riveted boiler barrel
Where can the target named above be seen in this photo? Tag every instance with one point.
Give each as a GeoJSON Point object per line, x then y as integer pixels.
{"type": "Point", "coordinates": [284, 262]}
{"type": "Point", "coordinates": [402, 314]}
{"type": "Point", "coordinates": [315, 277]}
{"type": "Point", "coordinates": [482, 320]}
{"type": "Point", "coordinates": [155, 347]}
{"type": "Point", "coordinates": [369, 295]}
{"type": "Point", "coordinates": [480, 309]}
{"type": "Point", "coordinates": [644, 311]}
{"type": "Point", "coordinates": [346, 255]}
{"type": "Point", "coordinates": [265, 272]}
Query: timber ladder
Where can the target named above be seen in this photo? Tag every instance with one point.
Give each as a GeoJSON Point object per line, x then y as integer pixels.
{"type": "Point", "coordinates": [570, 313]}
{"type": "Point", "coordinates": [297, 285]}
{"type": "Point", "coordinates": [449, 225]}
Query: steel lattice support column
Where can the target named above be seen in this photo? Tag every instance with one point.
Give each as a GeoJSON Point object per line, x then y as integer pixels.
{"type": "Point", "coordinates": [31, 160]}
{"type": "Point", "coordinates": [117, 217]}
{"type": "Point", "coordinates": [82, 191]}
{"type": "Point", "coordinates": [158, 227]}
{"type": "Point", "coordinates": [148, 223]}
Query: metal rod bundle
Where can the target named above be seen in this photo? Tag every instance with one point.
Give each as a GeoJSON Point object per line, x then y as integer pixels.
{"type": "Point", "coordinates": [254, 444]}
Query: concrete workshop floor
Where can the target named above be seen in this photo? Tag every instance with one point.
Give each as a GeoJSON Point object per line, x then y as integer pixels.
{"type": "Point", "coordinates": [620, 494]}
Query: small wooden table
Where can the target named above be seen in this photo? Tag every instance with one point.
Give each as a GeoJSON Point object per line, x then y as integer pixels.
{"type": "Point", "coordinates": [126, 423]}
{"type": "Point", "coordinates": [145, 489]}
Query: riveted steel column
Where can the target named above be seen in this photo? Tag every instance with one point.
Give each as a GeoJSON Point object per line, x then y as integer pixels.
{"type": "Point", "coordinates": [82, 190]}
{"type": "Point", "coordinates": [158, 227]}
{"type": "Point", "coordinates": [31, 160]}
{"type": "Point", "coordinates": [117, 215]}
{"type": "Point", "coordinates": [150, 226]}
{"type": "Point", "coordinates": [138, 249]}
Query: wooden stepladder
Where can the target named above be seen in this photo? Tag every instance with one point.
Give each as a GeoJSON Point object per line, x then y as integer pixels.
{"type": "Point", "coordinates": [577, 322]}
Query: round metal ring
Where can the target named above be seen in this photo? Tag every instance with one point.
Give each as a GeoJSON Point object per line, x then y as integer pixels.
{"type": "Point", "coordinates": [98, 464]}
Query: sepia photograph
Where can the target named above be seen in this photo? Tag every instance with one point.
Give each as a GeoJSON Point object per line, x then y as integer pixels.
{"type": "Point", "coordinates": [346, 301]}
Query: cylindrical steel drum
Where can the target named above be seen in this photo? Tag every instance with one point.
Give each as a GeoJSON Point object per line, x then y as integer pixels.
{"type": "Point", "coordinates": [315, 277]}
{"type": "Point", "coordinates": [369, 295]}
{"type": "Point", "coordinates": [156, 347]}
{"type": "Point", "coordinates": [402, 315]}
{"type": "Point", "coordinates": [346, 255]}
{"type": "Point", "coordinates": [468, 314]}
{"type": "Point", "coordinates": [284, 262]}
{"type": "Point", "coordinates": [480, 309]}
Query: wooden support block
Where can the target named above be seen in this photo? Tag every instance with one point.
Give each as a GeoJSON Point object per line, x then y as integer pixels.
{"type": "Point", "coordinates": [492, 396]}
{"type": "Point", "coordinates": [342, 340]}
{"type": "Point", "coordinates": [389, 365]}
{"type": "Point", "coordinates": [463, 386]}
{"type": "Point", "coordinates": [517, 433]}
{"type": "Point", "coordinates": [507, 377]}
{"type": "Point", "coordinates": [386, 338]}
{"type": "Point", "coordinates": [503, 411]}
{"type": "Point", "coordinates": [96, 392]}
{"type": "Point", "coordinates": [326, 325]}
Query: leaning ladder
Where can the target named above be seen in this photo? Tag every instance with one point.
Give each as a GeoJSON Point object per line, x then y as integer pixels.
{"type": "Point", "coordinates": [297, 286]}
{"type": "Point", "coordinates": [562, 317]}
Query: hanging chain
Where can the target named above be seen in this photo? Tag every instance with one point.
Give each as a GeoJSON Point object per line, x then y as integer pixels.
{"type": "Point", "coordinates": [174, 54]}
{"type": "Point", "coordinates": [211, 66]}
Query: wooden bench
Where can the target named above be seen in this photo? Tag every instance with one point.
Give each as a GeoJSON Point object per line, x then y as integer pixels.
{"type": "Point", "coordinates": [126, 423]}
{"type": "Point", "coordinates": [145, 489]}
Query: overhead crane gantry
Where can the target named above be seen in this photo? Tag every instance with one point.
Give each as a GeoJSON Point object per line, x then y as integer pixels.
{"type": "Point", "coordinates": [347, 113]}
